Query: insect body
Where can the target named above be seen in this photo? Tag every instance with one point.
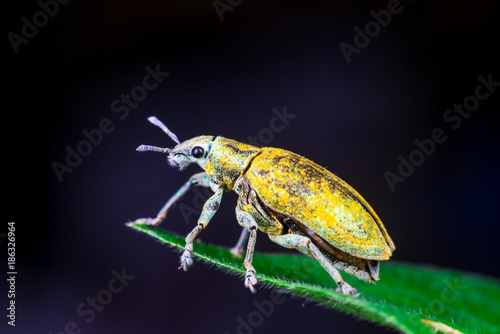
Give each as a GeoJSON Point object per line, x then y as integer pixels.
{"type": "Point", "coordinates": [298, 203]}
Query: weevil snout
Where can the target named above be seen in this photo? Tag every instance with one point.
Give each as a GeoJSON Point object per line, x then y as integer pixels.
{"type": "Point", "coordinates": [178, 160]}
{"type": "Point", "coordinates": [174, 162]}
{"type": "Point", "coordinates": [183, 154]}
{"type": "Point", "coordinates": [194, 150]}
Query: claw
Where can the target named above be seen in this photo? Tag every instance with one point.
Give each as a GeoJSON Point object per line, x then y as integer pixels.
{"type": "Point", "coordinates": [186, 260]}
{"type": "Point", "coordinates": [250, 279]}
{"type": "Point", "coordinates": [237, 252]}
{"type": "Point", "coordinates": [348, 290]}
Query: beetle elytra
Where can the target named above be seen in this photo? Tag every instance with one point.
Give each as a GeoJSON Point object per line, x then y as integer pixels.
{"type": "Point", "coordinates": [299, 204]}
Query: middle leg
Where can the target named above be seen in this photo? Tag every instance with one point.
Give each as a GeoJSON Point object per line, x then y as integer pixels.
{"type": "Point", "coordinates": [247, 221]}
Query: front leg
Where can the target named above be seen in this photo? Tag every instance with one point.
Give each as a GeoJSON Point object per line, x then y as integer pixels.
{"type": "Point", "coordinates": [209, 209]}
{"type": "Point", "coordinates": [199, 179]}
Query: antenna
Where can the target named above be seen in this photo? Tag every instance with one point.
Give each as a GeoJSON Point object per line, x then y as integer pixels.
{"type": "Point", "coordinates": [144, 148]}
{"type": "Point", "coordinates": [158, 123]}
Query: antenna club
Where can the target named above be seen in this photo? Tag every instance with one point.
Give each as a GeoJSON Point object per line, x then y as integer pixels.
{"type": "Point", "coordinates": [141, 148]}
{"type": "Point", "coordinates": [155, 121]}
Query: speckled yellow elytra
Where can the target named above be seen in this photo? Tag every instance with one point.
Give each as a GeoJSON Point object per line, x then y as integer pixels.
{"type": "Point", "coordinates": [298, 203]}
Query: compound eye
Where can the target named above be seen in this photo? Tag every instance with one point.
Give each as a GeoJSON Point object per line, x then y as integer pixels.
{"type": "Point", "coordinates": [197, 152]}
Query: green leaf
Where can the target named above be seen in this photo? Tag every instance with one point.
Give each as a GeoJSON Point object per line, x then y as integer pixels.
{"type": "Point", "coordinates": [409, 297]}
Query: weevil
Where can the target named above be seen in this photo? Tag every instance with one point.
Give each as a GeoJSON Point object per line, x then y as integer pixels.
{"type": "Point", "coordinates": [298, 203]}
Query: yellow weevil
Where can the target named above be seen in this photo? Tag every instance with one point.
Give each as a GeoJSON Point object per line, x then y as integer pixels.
{"type": "Point", "coordinates": [298, 203]}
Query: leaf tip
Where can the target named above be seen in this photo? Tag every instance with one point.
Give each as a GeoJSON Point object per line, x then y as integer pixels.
{"type": "Point", "coordinates": [133, 225]}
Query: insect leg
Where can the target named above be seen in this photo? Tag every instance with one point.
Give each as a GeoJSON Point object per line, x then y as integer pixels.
{"type": "Point", "coordinates": [246, 220]}
{"type": "Point", "coordinates": [304, 245]}
{"type": "Point", "coordinates": [199, 179]}
{"type": "Point", "coordinates": [237, 250]}
{"type": "Point", "coordinates": [209, 209]}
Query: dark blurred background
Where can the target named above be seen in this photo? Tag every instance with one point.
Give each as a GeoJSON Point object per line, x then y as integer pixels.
{"type": "Point", "coordinates": [227, 72]}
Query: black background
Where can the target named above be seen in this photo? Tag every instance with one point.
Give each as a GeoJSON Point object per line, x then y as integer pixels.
{"type": "Point", "coordinates": [225, 78]}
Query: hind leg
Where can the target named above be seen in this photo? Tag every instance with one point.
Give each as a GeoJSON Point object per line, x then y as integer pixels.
{"type": "Point", "coordinates": [305, 246]}
{"type": "Point", "coordinates": [238, 249]}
